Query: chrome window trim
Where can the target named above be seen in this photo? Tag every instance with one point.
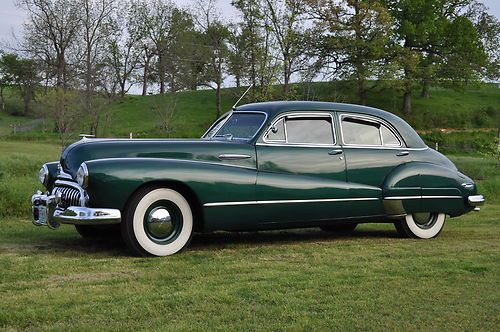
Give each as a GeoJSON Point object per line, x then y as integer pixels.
{"type": "Point", "coordinates": [299, 114]}
{"type": "Point", "coordinates": [290, 201]}
{"type": "Point", "coordinates": [374, 119]}
{"type": "Point", "coordinates": [242, 112]}
{"type": "Point", "coordinates": [215, 123]}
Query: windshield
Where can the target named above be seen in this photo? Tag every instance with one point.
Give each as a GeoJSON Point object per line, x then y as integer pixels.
{"type": "Point", "coordinates": [242, 126]}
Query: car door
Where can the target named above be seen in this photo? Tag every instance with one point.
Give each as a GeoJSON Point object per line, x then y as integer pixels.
{"type": "Point", "coordinates": [301, 170]}
{"type": "Point", "coordinates": [372, 147]}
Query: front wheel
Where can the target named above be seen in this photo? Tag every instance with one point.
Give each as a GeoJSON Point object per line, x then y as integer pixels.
{"type": "Point", "coordinates": [423, 225]}
{"type": "Point", "coordinates": [158, 222]}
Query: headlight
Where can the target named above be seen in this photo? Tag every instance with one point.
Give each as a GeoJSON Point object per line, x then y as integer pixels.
{"type": "Point", "coordinates": [82, 176]}
{"type": "Point", "coordinates": [43, 175]}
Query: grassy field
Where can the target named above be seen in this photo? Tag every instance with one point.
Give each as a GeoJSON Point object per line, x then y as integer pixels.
{"type": "Point", "coordinates": [293, 280]}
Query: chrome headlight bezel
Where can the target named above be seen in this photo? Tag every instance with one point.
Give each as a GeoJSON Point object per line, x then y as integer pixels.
{"type": "Point", "coordinates": [43, 174]}
{"type": "Point", "coordinates": [82, 176]}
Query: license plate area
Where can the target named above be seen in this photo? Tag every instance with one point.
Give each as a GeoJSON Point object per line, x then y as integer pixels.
{"type": "Point", "coordinates": [40, 213]}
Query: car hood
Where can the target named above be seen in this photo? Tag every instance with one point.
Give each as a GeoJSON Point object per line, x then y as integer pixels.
{"type": "Point", "coordinates": [201, 150]}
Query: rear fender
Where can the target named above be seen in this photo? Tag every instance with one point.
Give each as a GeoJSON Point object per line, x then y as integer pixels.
{"type": "Point", "coordinates": [424, 187]}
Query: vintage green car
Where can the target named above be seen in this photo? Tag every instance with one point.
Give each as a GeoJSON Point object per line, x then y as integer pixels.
{"type": "Point", "coordinates": [261, 166]}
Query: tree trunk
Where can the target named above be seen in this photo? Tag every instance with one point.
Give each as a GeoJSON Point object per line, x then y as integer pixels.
{"type": "Point", "coordinates": [362, 93]}
{"type": "Point", "coordinates": [2, 98]}
{"type": "Point", "coordinates": [407, 103]}
{"type": "Point", "coordinates": [286, 72]}
{"type": "Point", "coordinates": [217, 100]}
{"type": "Point", "coordinates": [161, 74]}
{"type": "Point", "coordinates": [425, 89]}
{"type": "Point", "coordinates": [145, 76]}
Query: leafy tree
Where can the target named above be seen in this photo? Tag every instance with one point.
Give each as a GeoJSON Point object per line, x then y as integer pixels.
{"type": "Point", "coordinates": [215, 36]}
{"type": "Point", "coordinates": [22, 74]}
{"type": "Point", "coordinates": [286, 18]}
{"type": "Point", "coordinates": [438, 42]}
{"type": "Point", "coordinates": [6, 76]}
{"type": "Point", "coordinates": [353, 40]}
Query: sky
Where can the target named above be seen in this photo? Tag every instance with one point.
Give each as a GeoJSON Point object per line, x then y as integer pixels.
{"type": "Point", "coordinates": [12, 17]}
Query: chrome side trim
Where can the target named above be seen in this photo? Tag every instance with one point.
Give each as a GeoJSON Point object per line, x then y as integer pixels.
{"type": "Point", "coordinates": [290, 201]}
{"type": "Point", "coordinates": [233, 156]}
{"type": "Point", "coordinates": [420, 197]}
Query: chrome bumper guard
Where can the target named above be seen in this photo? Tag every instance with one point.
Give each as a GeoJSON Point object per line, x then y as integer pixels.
{"type": "Point", "coordinates": [47, 213]}
{"type": "Point", "coordinates": [475, 200]}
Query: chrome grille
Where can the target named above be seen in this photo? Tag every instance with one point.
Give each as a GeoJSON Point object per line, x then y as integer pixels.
{"type": "Point", "coordinates": [69, 196]}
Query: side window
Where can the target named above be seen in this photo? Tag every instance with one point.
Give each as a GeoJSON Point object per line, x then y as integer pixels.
{"type": "Point", "coordinates": [360, 131]}
{"type": "Point", "coordinates": [277, 132]}
{"type": "Point", "coordinates": [309, 130]}
{"type": "Point", "coordinates": [388, 138]}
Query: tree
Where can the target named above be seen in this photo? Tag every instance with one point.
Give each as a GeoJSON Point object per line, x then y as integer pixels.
{"type": "Point", "coordinates": [215, 36]}
{"type": "Point", "coordinates": [97, 29]}
{"type": "Point", "coordinates": [50, 32]}
{"type": "Point", "coordinates": [437, 40]}
{"type": "Point", "coordinates": [22, 74]}
{"type": "Point", "coordinates": [353, 37]}
{"type": "Point", "coordinates": [286, 18]}
{"type": "Point", "coordinates": [6, 76]}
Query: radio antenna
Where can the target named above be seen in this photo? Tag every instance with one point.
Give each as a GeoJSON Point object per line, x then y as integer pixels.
{"type": "Point", "coordinates": [243, 95]}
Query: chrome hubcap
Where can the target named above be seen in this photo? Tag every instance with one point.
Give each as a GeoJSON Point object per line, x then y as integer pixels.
{"type": "Point", "coordinates": [159, 223]}
{"type": "Point", "coordinates": [425, 220]}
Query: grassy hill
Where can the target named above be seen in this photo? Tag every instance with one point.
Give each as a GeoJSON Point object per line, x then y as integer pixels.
{"type": "Point", "coordinates": [474, 107]}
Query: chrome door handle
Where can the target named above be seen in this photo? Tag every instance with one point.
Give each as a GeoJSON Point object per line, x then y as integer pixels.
{"type": "Point", "coordinates": [335, 152]}
{"type": "Point", "coordinates": [402, 153]}
{"type": "Point", "coordinates": [233, 156]}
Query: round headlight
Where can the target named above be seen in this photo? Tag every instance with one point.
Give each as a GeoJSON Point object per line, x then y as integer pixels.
{"type": "Point", "coordinates": [43, 174]}
{"type": "Point", "coordinates": [82, 175]}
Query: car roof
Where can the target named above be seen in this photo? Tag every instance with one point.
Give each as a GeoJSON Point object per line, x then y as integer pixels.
{"type": "Point", "coordinates": [274, 108]}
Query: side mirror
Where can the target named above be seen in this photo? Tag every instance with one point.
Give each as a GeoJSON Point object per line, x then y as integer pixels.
{"type": "Point", "coordinates": [274, 129]}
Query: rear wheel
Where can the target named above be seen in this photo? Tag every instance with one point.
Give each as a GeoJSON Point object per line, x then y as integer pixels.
{"type": "Point", "coordinates": [422, 225]}
{"type": "Point", "coordinates": [158, 221]}
{"type": "Point", "coordinates": [341, 228]}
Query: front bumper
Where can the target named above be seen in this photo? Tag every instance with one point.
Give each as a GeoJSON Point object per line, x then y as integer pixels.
{"type": "Point", "coordinates": [48, 212]}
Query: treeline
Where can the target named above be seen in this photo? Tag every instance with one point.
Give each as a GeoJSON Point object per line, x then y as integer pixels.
{"type": "Point", "coordinates": [83, 52]}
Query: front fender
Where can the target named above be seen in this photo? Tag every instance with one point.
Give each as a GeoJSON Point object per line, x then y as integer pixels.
{"type": "Point", "coordinates": [113, 181]}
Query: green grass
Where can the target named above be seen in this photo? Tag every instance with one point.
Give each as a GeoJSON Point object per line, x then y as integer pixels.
{"type": "Point", "coordinates": [293, 280]}
{"type": "Point", "coordinates": [473, 107]}
{"type": "Point", "coordinates": [281, 280]}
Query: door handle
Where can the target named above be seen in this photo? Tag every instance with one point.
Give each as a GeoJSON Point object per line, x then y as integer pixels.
{"type": "Point", "coordinates": [402, 153]}
{"type": "Point", "coordinates": [335, 152]}
{"type": "Point", "coordinates": [233, 156]}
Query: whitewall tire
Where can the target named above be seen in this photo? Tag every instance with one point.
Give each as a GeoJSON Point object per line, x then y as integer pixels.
{"type": "Point", "coordinates": [158, 222]}
{"type": "Point", "coordinates": [421, 225]}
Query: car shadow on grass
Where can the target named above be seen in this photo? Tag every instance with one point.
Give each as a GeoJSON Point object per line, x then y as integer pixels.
{"type": "Point", "coordinates": [234, 239]}
{"type": "Point", "coordinates": [69, 244]}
